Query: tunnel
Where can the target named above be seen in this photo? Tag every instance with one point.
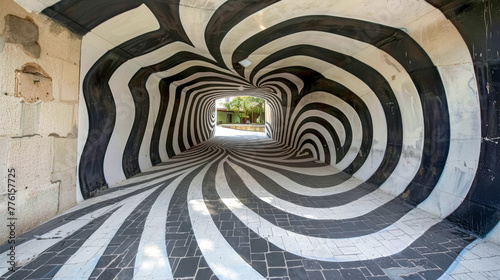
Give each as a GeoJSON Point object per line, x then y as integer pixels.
{"type": "Point", "coordinates": [379, 158]}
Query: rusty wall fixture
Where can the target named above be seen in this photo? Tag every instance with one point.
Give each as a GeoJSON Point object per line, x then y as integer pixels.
{"type": "Point", "coordinates": [33, 84]}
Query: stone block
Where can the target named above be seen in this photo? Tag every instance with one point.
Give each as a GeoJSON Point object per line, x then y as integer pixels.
{"type": "Point", "coordinates": [10, 110]}
{"type": "Point", "coordinates": [53, 39]}
{"type": "Point", "coordinates": [2, 43]}
{"type": "Point", "coordinates": [32, 159]}
{"type": "Point", "coordinates": [74, 46]}
{"type": "Point", "coordinates": [76, 108]}
{"type": "Point", "coordinates": [29, 118]}
{"type": "Point", "coordinates": [65, 154]}
{"type": "Point", "coordinates": [56, 118]}
{"type": "Point", "coordinates": [67, 189]}
{"type": "Point", "coordinates": [70, 82]}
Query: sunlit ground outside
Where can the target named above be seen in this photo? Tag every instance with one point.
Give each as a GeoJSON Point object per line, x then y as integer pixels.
{"type": "Point", "coordinates": [228, 132]}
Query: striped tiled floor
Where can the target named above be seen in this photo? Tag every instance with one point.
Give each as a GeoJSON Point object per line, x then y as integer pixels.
{"type": "Point", "coordinates": [242, 207]}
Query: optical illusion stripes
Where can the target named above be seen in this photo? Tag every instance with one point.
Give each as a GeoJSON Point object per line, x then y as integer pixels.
{"type": "Point", "coordinates": [391, 103]}
{"type": "Point", "coordinates": [188, 217]}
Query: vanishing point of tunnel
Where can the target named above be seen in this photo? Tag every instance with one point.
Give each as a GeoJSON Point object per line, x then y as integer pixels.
{"type": "Point", "coordinates": [379, 160]}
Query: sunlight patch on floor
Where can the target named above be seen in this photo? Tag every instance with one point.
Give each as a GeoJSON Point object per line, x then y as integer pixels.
{"type": "Point", "coordinates": [222, 131]}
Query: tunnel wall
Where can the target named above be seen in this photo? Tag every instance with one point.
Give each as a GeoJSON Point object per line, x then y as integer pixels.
{"type": "Point", "coordinates": [39, 70]}
{"type": "Point", "coordinates": [404, 98]}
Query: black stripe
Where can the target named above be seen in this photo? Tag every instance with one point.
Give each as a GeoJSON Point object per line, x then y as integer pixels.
{"type": "Point", "coordinates": [137, 85]}
{"type": "Point", "coordinates": [102, 116]}
{"type": "Point", "coordinates": [82, 16]}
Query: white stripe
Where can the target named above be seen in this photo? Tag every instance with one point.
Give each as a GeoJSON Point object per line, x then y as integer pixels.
{"type": "Point", "coordinates": [494, 234]}
{"type": "Point", "coordinates": [151, 261]}
{"type": "Point", "coordinates": [479, 260]}
{"type": "Point", "coordinates": [125, 116]}
{"type": "Point", "coordinates": [195, 16]}
{"type": "Point", "coordinates": [35, 5]}
{"type": "Point", "coordinates": [127, 25]}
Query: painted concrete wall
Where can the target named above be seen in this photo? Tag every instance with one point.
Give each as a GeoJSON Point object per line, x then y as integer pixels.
{"type": "Point", "coordinates": [38, 139]}
{"type": "Point", "coordinates": [222, 116]}
{"type": "Point", "coordinates": [401, 94]}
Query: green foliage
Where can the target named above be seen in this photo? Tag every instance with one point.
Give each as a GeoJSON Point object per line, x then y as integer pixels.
{"type": "Point", "coordinates": [245, 106]}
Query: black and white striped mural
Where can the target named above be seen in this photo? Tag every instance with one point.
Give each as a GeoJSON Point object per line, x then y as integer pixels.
{"type": "Point", "coordinates": [399, 95]}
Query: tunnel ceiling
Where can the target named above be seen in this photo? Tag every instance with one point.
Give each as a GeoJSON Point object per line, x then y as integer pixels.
{"type": "Point", "coordinates": [396, 93]}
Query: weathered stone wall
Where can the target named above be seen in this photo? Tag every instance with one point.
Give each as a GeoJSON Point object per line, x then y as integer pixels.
{"type": "Point", "coordinates": [37, 135]}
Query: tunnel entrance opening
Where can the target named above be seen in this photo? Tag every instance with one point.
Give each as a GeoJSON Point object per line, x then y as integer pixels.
{"type": "Point", "coordinates": [246, 113]}
{"type": "Point", "coordinates": [241, 110]}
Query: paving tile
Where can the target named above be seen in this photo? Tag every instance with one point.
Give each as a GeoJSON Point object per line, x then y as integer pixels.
{"type": "Point", "coordinates": [258, 246]}
{"type": "Point", "coordinates": [109, 273]}
{"type": "Point", "coordinates": [442, 260]}
{"type": "Point", "coordinates": [311, 264]}
{"type": "Point", "coordinates": [277, 272]}
{"type": "Point", "coordinates": [126, 273]}
{"type": "Point", "coordinates": [187, 267]}
{"type": "Point", "coordinates": [315, 275]}
{"type": "Point", "coordinates": [275, 259]}
{"type": "Point", "coordinates": [297, 272]}
{"type": "Point", "coordinates": [46, 271]}
{"type": "Point", "coordinates": [431, 274]}
{"type": "Point", "coordinates": [354, 274]}
{"type": "Point", "coordinates": [332, 275]}
{"type": "Point", "coordinates": [373, 268]}
{"type": "Point", "coordinates": [415, 276]}
{"type": "Point", "coordinates": [261, 267]}
{"type": "Point", "coordinates": [203, 274]}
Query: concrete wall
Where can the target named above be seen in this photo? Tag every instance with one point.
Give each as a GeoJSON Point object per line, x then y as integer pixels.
{"type": "Point", "coordinates": [222, 116]}
{"type": "Point", "coordinates": [37, 139]}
